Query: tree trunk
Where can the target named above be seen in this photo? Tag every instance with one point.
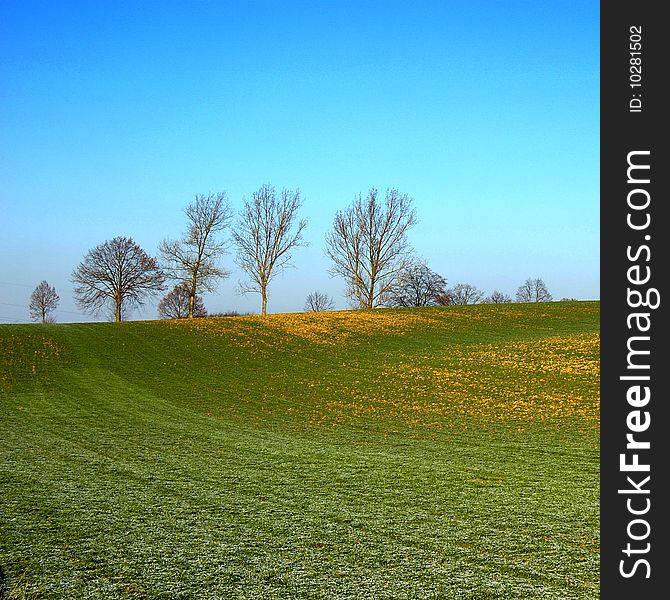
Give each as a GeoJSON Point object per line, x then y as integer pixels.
{"type": "Point", "coordinates": [264, 299]}
{"type": "Point", "coordinates": [192, 291]}
{"type": "Point", "coordinates": [370, 300]}
{"type": "Point", "coordinates": [118, 311]}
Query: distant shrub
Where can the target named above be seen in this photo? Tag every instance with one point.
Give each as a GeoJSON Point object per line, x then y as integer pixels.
{"type": "Point", "coordinates": [533, 290]}
{"type": "Point", "coordinates": [318, 302]}
{"type": "Point", "coordinates": [230, 313]}
{"type": "Point", "coordinates": [464, 293]}
{"type": "Point", "coordinates": [497, 298]}
{"type": "Point", "coordinates": [175, 304]}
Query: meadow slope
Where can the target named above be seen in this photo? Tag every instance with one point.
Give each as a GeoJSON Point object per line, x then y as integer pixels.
{"type": "Point", "coordinates": [397, 454]}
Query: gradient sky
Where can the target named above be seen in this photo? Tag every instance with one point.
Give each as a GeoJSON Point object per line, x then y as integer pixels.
{"type": "Point", "coordinates": [113, 115]}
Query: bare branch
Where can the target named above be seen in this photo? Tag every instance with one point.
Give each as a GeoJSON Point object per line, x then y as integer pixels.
{"type": "Point", "coordinates": [192, 262]}
{"type": "Point", "coordinates": [119, 272]}
{"type": "Point", "coordinates": [533, 290]}
{"type": "Point", "coordinates": [43, 302]}
{"type": "Point", "coordinates": [318, 302]}
{"type": "Point", "coordinates": [368, 245]}
{"type": "Point", "coordinates": [266, 234]}
{"type": "Point", "coordinates": [175, 304]}
{"type": "Point", "coordinates": [497, 298]}
{"type": "Point", "coordinates": [464, 293]}
{"type": "Point", "coordinates": [417, 285]}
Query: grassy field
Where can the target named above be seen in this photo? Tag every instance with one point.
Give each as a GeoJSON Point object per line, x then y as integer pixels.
{"type": "Point", "coordinates": [431, 453]}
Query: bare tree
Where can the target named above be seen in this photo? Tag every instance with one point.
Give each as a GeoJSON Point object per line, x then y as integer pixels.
{"type": "Point", "coordinates": [43, 302]}
{"type": "Point", "coordinates": [497, 298]}
{"type": "Point", "coordinates": [417, 285]}
{"type": "Point", "coordinates": [368, 245]}
{"type": "Point", "coordinates": [175, 304]}
{"type": "Point", "coordinates": [464, 293]}
{"type": "Point", "coordinates": [533, 290]}
{"type": "Point", "coordinates": [266, 234]}
{"type": "Point", "coordinates": [318, 302]}
{"type": "Point", "coordinates": [118, 273]}
{"type": "Point", "coordinates": [443, 299]}
{"type": "Point", "coordinates": [192, 260]}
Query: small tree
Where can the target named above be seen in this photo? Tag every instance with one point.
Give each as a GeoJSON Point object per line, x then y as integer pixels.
{"type": "Point", "coordinates": [368, 245]}
{"type": "Point", "coordinates": [118, 273]}
{"type": "Point", "coordinates": [266, 234]}
{"type": "Point", "coordinates": [464, 293]}
{"type": "Point", "coordinates": [43, 302]}
{"type": "Point", "coordinates": [417, 285]}
{"type": "Point", "coordinates": [533, 290]}
{"type": "Point", "coordinates": [192, 262]}
{"type": "Point", "coordinates": [175, 305]}
{"type": "Point", "coordinates": [497, 298]}
{"type": "Point", "coordinates": [318, 302]}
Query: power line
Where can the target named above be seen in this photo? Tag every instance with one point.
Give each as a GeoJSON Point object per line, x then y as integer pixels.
{"type": "Point", "coordinates": [15, 284]}
{"type": "Point", "coordinates": [68, 312]}
{"type": "Point", "coordinates": [9, 304]}
{"type": "Point", "coordinates": [58, 310]}
{"type": "Point", "coordinates": [14, 320]}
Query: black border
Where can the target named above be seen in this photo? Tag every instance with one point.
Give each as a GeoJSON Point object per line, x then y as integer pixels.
{"type": "Point", "coordinates": [623, 131]}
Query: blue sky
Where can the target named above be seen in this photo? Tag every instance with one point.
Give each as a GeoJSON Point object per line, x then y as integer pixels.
{"type": "Point", "coordinates": [113, 115]}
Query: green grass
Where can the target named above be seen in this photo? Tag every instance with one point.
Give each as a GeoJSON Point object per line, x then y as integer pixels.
{"type": "Point", "coordinates": [430, 453]}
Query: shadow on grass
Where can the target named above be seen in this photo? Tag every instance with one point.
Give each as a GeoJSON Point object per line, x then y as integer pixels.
{"type": "Point", "coordinates": [6, 591]}
{"type": "Point", "coordinates": [4, 586]}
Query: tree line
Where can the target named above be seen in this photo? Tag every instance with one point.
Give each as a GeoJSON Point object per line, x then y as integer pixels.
{"type": "Point", "coordinates": [368, 247]}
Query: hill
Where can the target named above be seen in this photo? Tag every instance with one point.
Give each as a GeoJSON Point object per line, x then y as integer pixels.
{"type": "Point", "coordinates": [426, 453]}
